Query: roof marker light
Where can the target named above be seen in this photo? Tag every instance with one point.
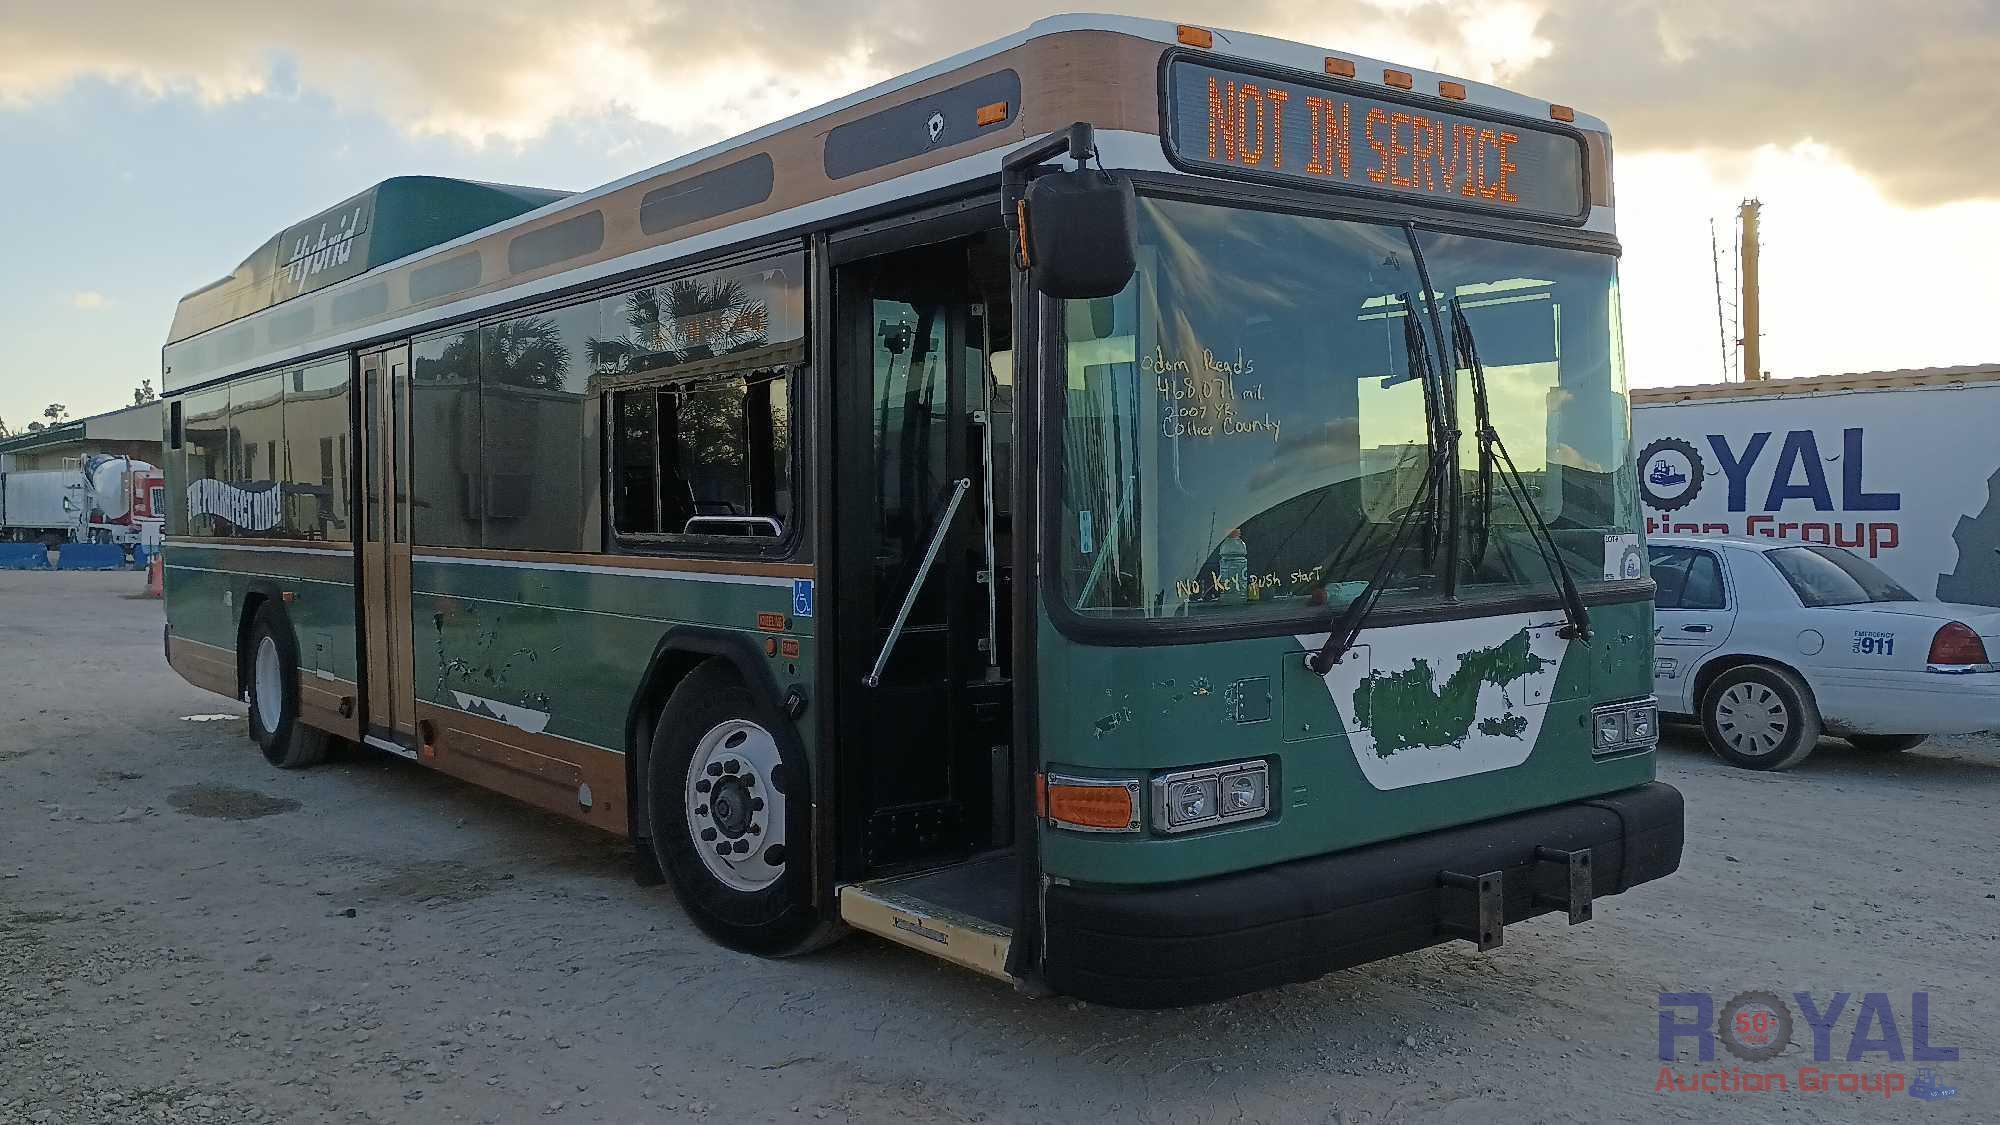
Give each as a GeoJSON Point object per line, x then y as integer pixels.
{"type": "Point", "coordinates": [991, 114]}
{"type": "Point", "coordinates": [1339, 68]}
{"type": "Point", "coordinates": [1561, 113]}
{"type": "Point", "coordinates": [1453, 90]}
{"type": "Point", "coordinates": [1192, 36]}
{"type": "Point", "coordinates": [1400, 79]}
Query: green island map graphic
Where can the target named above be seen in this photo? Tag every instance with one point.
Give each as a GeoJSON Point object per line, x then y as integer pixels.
{"type": "Point", "coordinates": [1409, 709]}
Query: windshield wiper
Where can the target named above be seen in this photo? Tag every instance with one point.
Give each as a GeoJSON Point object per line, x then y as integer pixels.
{"type": "Point", "coordinates": [1492, 448]}
{"type": "Point", "coordinates": [1345, 630]}
{"type": "Point", "coordinates": [1480, 531]}
{"type": "Point", "coordinates": [1428, 504]}
{"type": "Point", "coordinates": [1417, 350]}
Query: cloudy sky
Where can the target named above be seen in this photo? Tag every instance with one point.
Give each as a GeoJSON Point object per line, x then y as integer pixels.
{"type": "Point", "coordinates": [148, 147]}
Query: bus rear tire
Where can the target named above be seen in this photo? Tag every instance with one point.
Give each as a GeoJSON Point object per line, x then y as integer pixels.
{"type": "Point", "coordinates": [272, 676]}
{"type": "Point", "coordinates": [727, 803]}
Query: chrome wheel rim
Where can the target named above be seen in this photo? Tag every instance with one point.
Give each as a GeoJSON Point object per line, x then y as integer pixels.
{"type": "Point", "coordinates": [269, 686]}
{"type": "Point", "coordinates": [1752, 719]}
{"type": "Point", "coordinates": [735, 815]}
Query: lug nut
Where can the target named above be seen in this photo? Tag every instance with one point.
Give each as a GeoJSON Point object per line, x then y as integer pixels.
{"type": "Point", "coordinates": [701, 810]}
{"type": "Point", "coordinates": [756, 804]}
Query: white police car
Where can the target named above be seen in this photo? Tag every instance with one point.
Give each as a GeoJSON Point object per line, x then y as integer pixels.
{"type": "Point", "coordinates": [1770, 642]}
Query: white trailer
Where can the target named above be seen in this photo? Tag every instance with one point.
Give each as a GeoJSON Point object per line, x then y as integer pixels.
{"type": "Point", "coordinates": [95, 499]}
{"type": "Point", "coordinates": [1901, 466]}
{"type": "Point", "coordinates": [39, 503]}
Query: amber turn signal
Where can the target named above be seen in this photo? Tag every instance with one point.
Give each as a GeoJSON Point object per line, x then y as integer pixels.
{"type": "Point", "coordinates": [1092, 804]}
{"type": "Point", "coordinates": [1191, 36]}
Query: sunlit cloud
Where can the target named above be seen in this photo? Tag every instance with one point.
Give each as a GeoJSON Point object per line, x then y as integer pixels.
{"type": "Point", "coordinates": [1851, 279]}
{"type": "Point", "coordinates": [509, 70]}
{"type": "Point", "coordinates": [1903, 89]}
{"type": "Point", "coordinates": [1864, 125]}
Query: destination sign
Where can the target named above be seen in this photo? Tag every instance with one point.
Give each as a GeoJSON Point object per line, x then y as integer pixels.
{"type": "Point", "coordinates": [1327, 136]}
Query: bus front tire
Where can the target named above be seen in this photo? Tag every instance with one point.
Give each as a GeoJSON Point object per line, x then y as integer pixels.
{"type": "Point", "coordinates": [1760, 717]}
{"type": "Point", "coordinates": [727, 803]}
{"type": "Point", "coordinates": [272, 676]}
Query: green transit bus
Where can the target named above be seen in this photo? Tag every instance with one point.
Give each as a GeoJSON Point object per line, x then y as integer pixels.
{"type": "Point", "coordinates": [1140, 511]}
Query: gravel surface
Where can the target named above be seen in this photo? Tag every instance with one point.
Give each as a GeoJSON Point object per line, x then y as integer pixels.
{"type": "Point", "coordinates": [189, 936]}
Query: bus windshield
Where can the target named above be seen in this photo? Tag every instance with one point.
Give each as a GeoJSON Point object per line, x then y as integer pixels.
{"type": "Point", "coordinates": [1245, 425]}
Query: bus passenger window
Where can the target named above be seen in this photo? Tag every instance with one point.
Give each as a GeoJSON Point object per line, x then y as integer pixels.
{"type": "Point", "coordinates": [635, 462]}
{"type": "Point", "coordinates": [708, 457]}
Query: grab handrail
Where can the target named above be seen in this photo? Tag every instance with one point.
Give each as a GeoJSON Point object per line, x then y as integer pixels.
{"type": "Point", "coordinates": [874, 677]}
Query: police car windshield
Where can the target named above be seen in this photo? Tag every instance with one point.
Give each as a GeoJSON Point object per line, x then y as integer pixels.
{"type": "Point", "coordinates": [1824, 576]}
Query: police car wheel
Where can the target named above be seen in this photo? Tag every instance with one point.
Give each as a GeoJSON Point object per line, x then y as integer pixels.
{"type": "Point", "coordinates": [1760, 717]}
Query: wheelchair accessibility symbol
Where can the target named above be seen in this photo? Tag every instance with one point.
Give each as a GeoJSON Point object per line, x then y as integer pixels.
{"type": "Point", "coordinates": [802, 597]}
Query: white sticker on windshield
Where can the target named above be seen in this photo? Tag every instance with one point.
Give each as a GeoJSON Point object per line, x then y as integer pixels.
{"type": "Point", "coordinates": [1085, 541]}
{"type": "Point", "coordinates": [1623, 560]}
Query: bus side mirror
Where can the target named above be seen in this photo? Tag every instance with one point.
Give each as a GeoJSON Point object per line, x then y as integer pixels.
{"type": "Point", "coordinates": [1082, 232]}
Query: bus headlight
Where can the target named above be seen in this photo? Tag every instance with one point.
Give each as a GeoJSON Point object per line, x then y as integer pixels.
{"type": "Point", "coordinates": [1642, 722]}
{"type": "Point", "coordinates": [1246, 791]}
{"type": "Point", "coordinates": [1191, 802]}
{"type": "Point", "coordinates": [1189, 799]}
{"type": "Point", "coordinates": [1610, 725]}
{"type": "Point", "coordinates": [1634, 725]}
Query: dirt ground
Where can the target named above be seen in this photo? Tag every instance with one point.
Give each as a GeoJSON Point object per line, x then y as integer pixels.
{"type": "Point", "coordinates": [187, 935]}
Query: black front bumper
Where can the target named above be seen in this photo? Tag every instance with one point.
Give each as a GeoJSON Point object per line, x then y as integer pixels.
{"type": "Point", "coordinates": [1196, 942]}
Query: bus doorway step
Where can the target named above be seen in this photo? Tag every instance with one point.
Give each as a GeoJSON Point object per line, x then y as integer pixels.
{"type": "Point", "coordinates": [962, 913]}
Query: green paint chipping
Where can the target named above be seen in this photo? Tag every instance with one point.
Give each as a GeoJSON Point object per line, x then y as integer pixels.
{"type": "Point", "coordinates": [1408, 709]}
{"type": "Point", "coordinates": [1508, 725]}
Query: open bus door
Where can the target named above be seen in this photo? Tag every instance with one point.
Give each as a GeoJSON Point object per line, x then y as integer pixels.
{"type": "Point", "coordinates": [963, 306]}
{"type": "Point", "coordinates": [923, 541]}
